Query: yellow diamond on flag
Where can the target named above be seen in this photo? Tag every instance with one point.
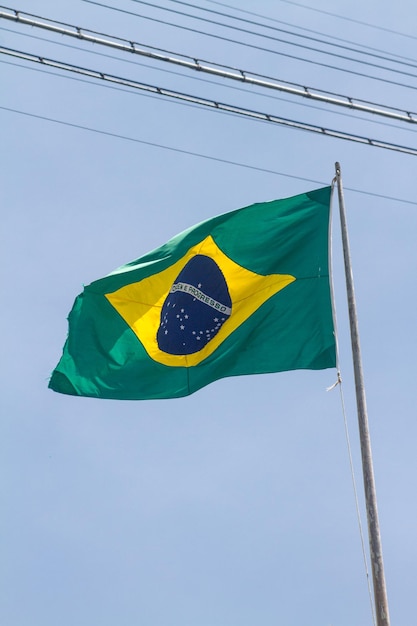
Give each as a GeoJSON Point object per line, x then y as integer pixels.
{"type": "Point", "coordinates": [182, 314]}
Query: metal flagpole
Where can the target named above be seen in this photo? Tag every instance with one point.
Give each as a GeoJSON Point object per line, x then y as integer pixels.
{"type": "Point", "coordinates": [378, 576]}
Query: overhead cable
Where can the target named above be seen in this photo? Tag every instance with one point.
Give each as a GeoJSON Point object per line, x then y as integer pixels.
{"type": "Point", "coordinates": [268, 18]}
{"type": "Point", "coordinates": [139, 93]}
{"type": "Point", "coordinates": [214, 69]}
{"type": "Point", "coordinates": [200, 155]}
{"type": "Point", "coordinates": [348, 19]}
{"type": "Point", "coordinates": [205, 102]}
{"type": "Point", "coordinates": [310, 30]}
{"type": "Point", "coordinates": [280, 30]}
{"type": "Point", "coordinates": [256, 47]}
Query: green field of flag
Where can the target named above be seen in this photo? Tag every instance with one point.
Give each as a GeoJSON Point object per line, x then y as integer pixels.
{"type": "Point", "coordinates": [246, 292]}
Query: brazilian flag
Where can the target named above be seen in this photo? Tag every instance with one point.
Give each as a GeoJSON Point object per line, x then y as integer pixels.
{"type": "Point", "coordinates": [246, 292]}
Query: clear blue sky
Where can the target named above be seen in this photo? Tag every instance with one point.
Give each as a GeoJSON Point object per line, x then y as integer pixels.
{"type": "Point", "coordinates": [233, 506]}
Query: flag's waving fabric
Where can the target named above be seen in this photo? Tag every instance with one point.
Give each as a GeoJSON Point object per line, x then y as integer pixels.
{"type": "Point", "coordinates": [246, 292]}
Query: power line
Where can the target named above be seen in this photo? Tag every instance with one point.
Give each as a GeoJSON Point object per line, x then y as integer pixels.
{"type": "Point", "coordinates": [212, 104]}
{"type": "Point", "coordinates": [120, 89]}
{"type": "Point", "coordinates": [164, 147]}
{"type": "Point", "coordinates": [138, 93]}
{"type": "Point", "coordinates": [281, 30]}
{"type": "Point", "coordinates": [309, 30]}
{"type": "Point", "coordinates": [255, 47]}
{"type": "Point", "coordinates": [199, 154]}
{"type": "Point", "coordinates": [348, 19]}
{"type": "Point", "coordinates": [412, 62]}
{"type": "Point", "coordinates": [215, 69]}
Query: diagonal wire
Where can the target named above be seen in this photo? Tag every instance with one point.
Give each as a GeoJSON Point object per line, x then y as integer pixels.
{"type": "Point", "coordinates": [310, 30]}
{"type": "Point", "coordinates": [206, 102]}
{"type": "Point", "coordinates": [255, 47]}
{"type": "Point", "coordinates": [348, 19]}
{"type": "Point", "coordinates": [201, 155]}
{"type": "Point", "coordinates": [280, 30]}
{"type": "Point", "coordinates": [215, 69]}
{"type": "Point", "coordinates": [209, 82]}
